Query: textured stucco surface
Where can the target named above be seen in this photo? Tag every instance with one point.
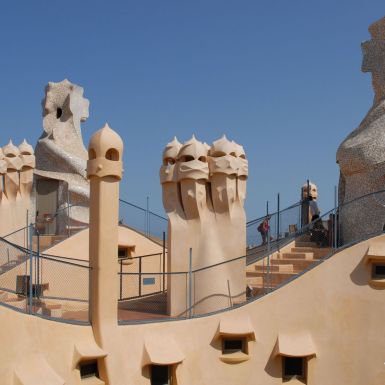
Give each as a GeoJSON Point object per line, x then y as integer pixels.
{"type": "Point", "coordinates": [361, 156]}
{"type": "Point", "coordinates": [204, 189]}
{"type": "Point", "coordinates": [333, 304]}
{"type": "Point", "coordinates": [60, 152]}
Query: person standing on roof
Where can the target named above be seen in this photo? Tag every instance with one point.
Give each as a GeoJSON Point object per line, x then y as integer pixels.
{"type": "Point", "coordinates": [264, 228]}
{"type": "Point", "coordinates": [313, 209]}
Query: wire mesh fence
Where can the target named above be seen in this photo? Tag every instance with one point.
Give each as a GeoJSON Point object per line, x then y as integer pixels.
{"type": "Point", "coordinates": [49, 287]}
{"type": "Point", "coordinates": [58, 287]}
{"type": "Point", "coordinates": [62, 288]}
{"type": "Point", "coordinates": [180, 295]}
{"type": "Point", "coordinates": [290, 248]}
{"type": "Point", "coordinates": [59, 225]}
{"type": "Point", "coordinates": [142, 275]}
{"type": "Point", "coordinates": [154, 303]}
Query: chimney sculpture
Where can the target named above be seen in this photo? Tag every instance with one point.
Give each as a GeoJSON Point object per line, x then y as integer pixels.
{"type": "Point", "coordinates": [361, 156]}
{"type": "Point", "coordinates": [204, 189]}
{"type": "Point", "coordinates": [3, 198]}
{"type": "Point", "coordinates": [16, 180]}
{"type": "Point", "coordinates": [308, 189]}
{"type": "Point", "coordinates": [60, 152]}
{"type": "Point", "coordinates": [12, 178]}
{"type": "Point", "coordinates": [11, 203]}
{"type": "Point", "coordinates": [26, 172]}
{"type": "Point", "coordinates": [104, 170]}
{"type": "Point", "coordinates": [3, 171]}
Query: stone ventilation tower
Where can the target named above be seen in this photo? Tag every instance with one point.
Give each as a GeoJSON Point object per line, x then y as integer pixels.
{"type": "Point", "coordinates": [61, 157]}
{"type": "Point", "coordinates": [361, 156]}
{"type": "Point", "coordinates": [308, 189]}
{"type": "Point", "coordinates": [16, 179]}
{"type": "Point", "coordinates": [12, 178]}
{"type": "Point", "coordinates": [3, 171]}
{"type": "Point", "coordinates": [204, 189]}
{"type": "Point", "coordinates": [104, 170]}
{"type": "Point", "coordinates": [26, 172]}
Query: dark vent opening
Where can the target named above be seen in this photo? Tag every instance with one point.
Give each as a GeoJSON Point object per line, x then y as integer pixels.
{"type": "Point", "coordinates": [112, 154]}
{"type": "Point", "coordinates": [59, 113]}
{"type": "Point", "coordinates": [160, 375]}
{"type": "Point", "coordinates": [122, 252]}
{"type": "Point", "coordinates": [293, 366]}
{"type": "Point", "coordinates": [89, 369]}
{"type": "Point", "coordinates": [379, 270]}
{"type": "Point", "coordinates": [186, 158]}
{"type": "Point", "coordinates": [233, 345]}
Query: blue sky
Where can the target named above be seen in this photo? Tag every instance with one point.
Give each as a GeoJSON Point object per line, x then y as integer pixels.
{"type": "Point", "coordinates": [280, 77]}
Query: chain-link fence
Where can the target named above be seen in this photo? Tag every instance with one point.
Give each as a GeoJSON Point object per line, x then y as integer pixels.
{"type": "Point", "coordinates": [62, 288]}
{"type": "Point", "coordinates": [52, 287]}
{"type": "Point", "coordinates": [59, 225]}
{"type": "Point", "coordinates": [290, 249]}
{"type": "Point", "coordinates": [155, 303]}
{"type": "Point", "coordinates": [19, 237]}
{"type": "Point", "coordinates": [142, 275]}
{"type": "Point", "coordinates": [51, 227]}
{"type": "Point", "coordinates": [58, 287]}
{"type": "Point", "coordinates": [180, 295]}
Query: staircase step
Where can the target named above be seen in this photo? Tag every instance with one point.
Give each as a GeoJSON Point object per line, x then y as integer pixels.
{"type": "Point", "coordinates": [319, 252]}
{"type": "Point", "coordinates": [298, 264]}
{"type": "Point", "coordinates": [297, 255]}
{"type": "Point", "coordinates": [305, 244]}
{"type": "Point", "coordinates": [322, 252]}
{"type": "Point", "coordinates": [251, 268]}
{"type": "Point", "coordinates": [254, 281]}
{"type": "Point", "coordinates": [285, 267]}
{"type": "Point", "coordinates": [272, 277]}
{"type": "Point", "coordinates": [304, 237]}
{"type": "Point", "coordinates": [299, 249]}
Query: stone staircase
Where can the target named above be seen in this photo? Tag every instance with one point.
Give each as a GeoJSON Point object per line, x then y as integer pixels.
{"type": "Point", "coordinates": [264, 275]}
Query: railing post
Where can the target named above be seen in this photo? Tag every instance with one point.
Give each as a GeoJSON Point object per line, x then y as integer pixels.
{"type": "Point", "coordinates": [148, 216]}
{"type": "Point", "coordinates": [37, 272]}
{"type": "Point", "coordinates": [120, 280]}
{"type": "Point", "coordinates": [140, 276]}
{"type": "Point", "coordinates": [190, 284]}
{"type": "Point", "coordinates": [26, 233]}
{"type": "Point", "coordinates": [268, 257]}
{"type": "Point", "coordinates": [278, 220]}
{"type": "Point", "coordinates": [29, 291]}
{"type": "Point", "coordinates": [164, 261]}
{"type": "Point", "coordinates": [299, 216]}
{"type": "Point", "coordinates": [68, 214]}
{"type": "Point", "coordinates": [335, 219]}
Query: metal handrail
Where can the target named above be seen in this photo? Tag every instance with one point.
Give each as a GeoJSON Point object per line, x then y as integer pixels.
{"type": "Point", "coordinates": [336, 248]}
{"type": "Point", "coordinates": [298, 233]}
{"type": "Point", "coordinates": [253, 221]}
{"type": "Point", "coordinates": [142, 209]}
